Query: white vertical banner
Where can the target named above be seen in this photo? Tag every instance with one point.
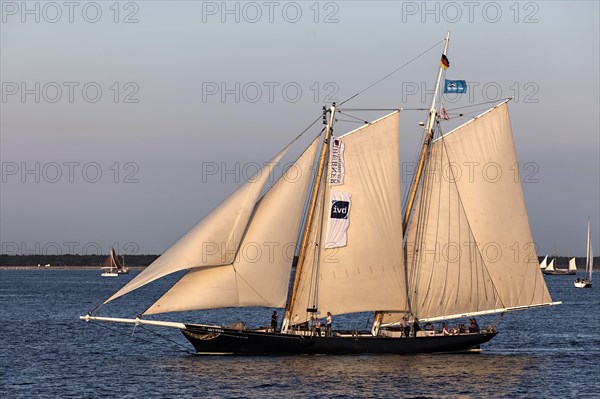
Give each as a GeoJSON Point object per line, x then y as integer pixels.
{"type": "Point", "coordinates": [336, 162]}
{"type": "Point", "coordinates": [338, 222]}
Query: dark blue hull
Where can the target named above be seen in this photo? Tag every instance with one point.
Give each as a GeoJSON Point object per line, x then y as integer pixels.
{"type": "Point", "coordinates": [211, 340]}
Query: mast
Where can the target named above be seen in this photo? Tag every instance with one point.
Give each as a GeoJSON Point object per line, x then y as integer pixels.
{"type": "Point", "coordinates": [426, 142]}
{"type": "Point", "coordinates": [588, 254]}
{"type": "Point", "coordinates": [415, 184]}
{"type": "Point", "coordinates": [310, 215]}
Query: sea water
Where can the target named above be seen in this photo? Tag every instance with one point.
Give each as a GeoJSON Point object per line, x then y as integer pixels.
{"type": "Point", "coordinates": [46, 351]}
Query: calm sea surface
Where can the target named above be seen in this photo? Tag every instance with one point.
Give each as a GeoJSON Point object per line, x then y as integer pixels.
{"type": "Point", "coordinates": [46, 351]}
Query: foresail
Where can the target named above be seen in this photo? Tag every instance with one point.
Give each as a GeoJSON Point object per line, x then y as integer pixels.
{"type": "Point", "coordinates": [469, 245]}
{"type": "Point", "coordinates": [364, 272]}
{"type": "Point", "coordinates": [214, 240]}
{"type": "Point", "coordinates": [544, 263]}
{"type": "Point", "coordinates": [259, 275]}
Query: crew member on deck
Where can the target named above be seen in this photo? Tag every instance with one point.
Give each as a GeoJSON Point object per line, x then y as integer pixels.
{"type": "Point", "coordinates": [445, 329]}
{"type": "Point", "coordinates": [329, 320]}
{"type": "Point", "coordinates": [475, 326]}
{"type": "Point", "coordinates": [318, 327]}
{"type": "Point", "coordinates": [274, 321]}
{"type": "Point", "coordinates": [405, 327]}
{"type": "Point", "coordinates": [416, 327]}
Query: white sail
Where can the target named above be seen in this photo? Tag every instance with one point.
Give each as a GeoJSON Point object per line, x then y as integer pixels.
{"type": "Point", "coordinates": [214, 240]}
{"type": "Point", "coordinates": [543, 263]}
{"type": "Point", "coordinates": [367, 273]}
{"type": "Point", "coordinates": [551, 265]}
{"type": "Point", "coordinates": [259, 275]}
{"type": "Point", "coordinates": [469, 244]}
{"type": "Point", "coordinates": [572, 264]}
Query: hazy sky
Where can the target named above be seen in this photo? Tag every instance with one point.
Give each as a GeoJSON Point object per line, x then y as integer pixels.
{"type": "Point", "coordinates": [113, 112]}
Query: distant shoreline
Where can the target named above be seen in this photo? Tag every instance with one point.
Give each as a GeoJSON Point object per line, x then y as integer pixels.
{"type": "Point", "coordinates": [62, 267]}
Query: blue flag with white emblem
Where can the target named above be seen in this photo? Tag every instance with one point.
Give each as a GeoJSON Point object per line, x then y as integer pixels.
{"type": "Point", "coordinates": [455, 86]}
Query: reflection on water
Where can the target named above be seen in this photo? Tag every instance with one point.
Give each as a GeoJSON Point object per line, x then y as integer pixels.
{"type": "Point", "coordinates": [457, 375]}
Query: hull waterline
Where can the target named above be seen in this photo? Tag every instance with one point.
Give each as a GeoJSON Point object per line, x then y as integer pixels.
{"type": "Point", "coordinates": [559, 272]}
{"type": "Point", "coordinates": [221, 341]}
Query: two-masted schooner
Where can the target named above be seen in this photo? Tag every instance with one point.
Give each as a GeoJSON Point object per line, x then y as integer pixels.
{"type": "Point", "coordinates": [449, 255]}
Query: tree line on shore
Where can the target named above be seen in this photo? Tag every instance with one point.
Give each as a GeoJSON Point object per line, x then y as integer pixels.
{"type": "Point", "coordinates": [70, 260]}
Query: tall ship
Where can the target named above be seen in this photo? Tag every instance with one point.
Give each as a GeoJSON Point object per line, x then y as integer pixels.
{"type": "Point", "coordinates": [447, 253]}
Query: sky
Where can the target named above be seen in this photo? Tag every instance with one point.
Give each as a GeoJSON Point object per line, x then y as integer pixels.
{"type": "Point", "coordinates": [123, 123]}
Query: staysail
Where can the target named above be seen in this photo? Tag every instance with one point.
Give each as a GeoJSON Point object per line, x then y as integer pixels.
{"type": "Point", "coordinates": [259, 274]}
{"type": "Point", "coordinates": [469, 245]}
{"type": "Point", "coordinates": [367, 272]}
{"type": "Point", "coordinates": [214, 240]}
{"type": "Point", "coordinates": [543, 263]}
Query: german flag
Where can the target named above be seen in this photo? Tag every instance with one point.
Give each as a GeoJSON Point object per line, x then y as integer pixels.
{"type": "Point", "coordinates": [444, 63]}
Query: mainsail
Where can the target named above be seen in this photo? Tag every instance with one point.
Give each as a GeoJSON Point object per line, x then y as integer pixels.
{"type": "Point", "coordinates": [260, 272]}
{"type": "Point", "coordinates": [469, 247]}
{"type": "Point", "coordinates": [367, 273]}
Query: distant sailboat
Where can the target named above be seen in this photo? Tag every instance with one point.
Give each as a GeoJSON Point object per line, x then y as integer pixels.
{"type": "Point", "coordinates": [552, 269]}
{"type": "Point", "coordinates": [543, 263]}
{"type": "Point", "coordinates": [351, 256]}
{"type": "Point", "coordinates": [589, 265]}
{"type": "Point", "coordinates": [113, 266]}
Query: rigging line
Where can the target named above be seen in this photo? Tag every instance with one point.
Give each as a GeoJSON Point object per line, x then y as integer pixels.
{"type": "Point", "coordinates": [473, 105]}
{"type": "Point", "coordinates": [305, 130]}
{"type": "Point", "coordinates": [391, 73]}
{"type": "Point", "coordinates": [385, 109]}
{"type": "Point", "coordinates": [351, 121]}
{"type": "Point", "coordinates": [120, 332]}
{"type": "Point", "coordinates": [352, 116]}
{"type": "Point", "coordinates": [185, 348]}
